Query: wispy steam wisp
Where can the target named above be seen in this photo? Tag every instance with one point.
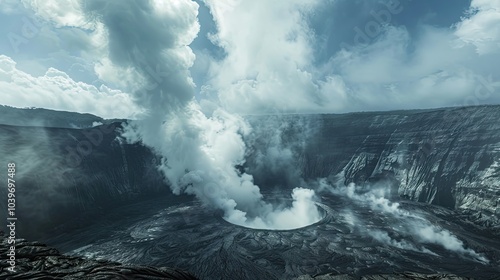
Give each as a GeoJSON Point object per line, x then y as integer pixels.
{"type": "Point", "coordinates": [414, 229]}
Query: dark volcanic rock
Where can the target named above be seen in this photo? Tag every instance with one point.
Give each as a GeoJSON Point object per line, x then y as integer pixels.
{"type": "Point", "coordinates": [48, 118]}
{"type": "Point", "coordinates": [37, 261]}
{"type": "Point", "coordinates": [67, 174]}
{"type": "Point", "coordinates": [397, 276]}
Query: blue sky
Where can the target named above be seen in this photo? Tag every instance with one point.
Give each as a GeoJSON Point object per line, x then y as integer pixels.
{"type": "Point", "coordinates": [249, 57]}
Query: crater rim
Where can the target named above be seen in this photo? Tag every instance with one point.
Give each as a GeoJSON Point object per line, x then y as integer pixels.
{"type": "Point", "coordinates": [323, 212]}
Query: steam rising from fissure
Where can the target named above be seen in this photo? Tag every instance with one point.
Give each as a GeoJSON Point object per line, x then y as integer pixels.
{"type": "Point", "coordinates": [416, 230]}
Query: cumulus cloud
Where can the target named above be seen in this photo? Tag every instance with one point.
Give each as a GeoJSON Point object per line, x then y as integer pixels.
{"type": "Point", "coordinates": [154, 54]}
{"type": "Point", "coordinates": [56, 90]}
{"type": "Point", "coordinates": [482, 27]}
{"type": "Point", "coordinates": [437, 72]}
{"type": "Point", "coordinates": [269, 64]}
{"type": "Point", "coordinates": [67, 15]}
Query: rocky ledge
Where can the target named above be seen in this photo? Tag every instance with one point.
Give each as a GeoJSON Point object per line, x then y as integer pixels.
{"type": "Point", "coordinates": [36, 261]}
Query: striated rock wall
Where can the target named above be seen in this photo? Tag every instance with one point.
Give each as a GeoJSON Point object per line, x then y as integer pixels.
{"type": "Point", "coordinates": [448, 158]}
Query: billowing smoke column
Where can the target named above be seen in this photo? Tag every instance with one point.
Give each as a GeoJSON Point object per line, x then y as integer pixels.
{"type": "Point", "coordinates": [148, 41]}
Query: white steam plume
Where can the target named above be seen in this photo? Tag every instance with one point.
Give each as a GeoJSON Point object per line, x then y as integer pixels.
{"type": "Point", "coordinates": [414, 226]}
{"type": "Point", "coordinates": [200, 153]}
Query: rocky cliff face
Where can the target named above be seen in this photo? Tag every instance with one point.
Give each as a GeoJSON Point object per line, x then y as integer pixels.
{"type": "Point", "coordinates": [448, 158]}
{"type": "Point", "coordinates": [65, 174]}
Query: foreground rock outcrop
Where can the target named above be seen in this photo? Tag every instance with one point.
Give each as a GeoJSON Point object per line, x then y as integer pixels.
{"type": "Point", "coordinates": [34, 260]}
